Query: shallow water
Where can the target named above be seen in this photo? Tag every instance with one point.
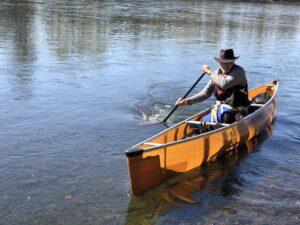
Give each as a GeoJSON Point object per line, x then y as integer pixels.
{"type": "Point", "coordinates": [77, 79]}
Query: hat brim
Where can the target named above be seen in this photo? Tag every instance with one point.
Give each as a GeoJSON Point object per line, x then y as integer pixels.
{"type": "Point", "coordinates": [226, 60]}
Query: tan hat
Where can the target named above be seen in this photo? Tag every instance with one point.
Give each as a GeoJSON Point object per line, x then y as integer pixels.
{"type": "Point", "coordinates": [226, 56]}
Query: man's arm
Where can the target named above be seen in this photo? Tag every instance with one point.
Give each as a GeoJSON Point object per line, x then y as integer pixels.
{"type": "Point", "coordinates": [204, 94]}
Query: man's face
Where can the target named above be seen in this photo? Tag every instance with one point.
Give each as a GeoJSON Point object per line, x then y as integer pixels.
{"type": "Point", "coordinates": [226, 66]}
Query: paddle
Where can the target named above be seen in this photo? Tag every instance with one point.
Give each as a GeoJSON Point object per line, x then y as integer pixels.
{"type": "Point", "coordinates": [173, 110]}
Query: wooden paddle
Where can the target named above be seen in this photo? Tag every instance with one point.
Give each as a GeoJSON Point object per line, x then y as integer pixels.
{"type": "Point", "coordinates": [176, 106]}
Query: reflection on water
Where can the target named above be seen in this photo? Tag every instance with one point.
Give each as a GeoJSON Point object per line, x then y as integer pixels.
{"type": "Point", "coordinates": [72, 30]}
{"type": "Point", "coordinates": [207, 187]}
{"type": "Point", "coordinates": [20, 22]}
{"type": "Point", "coordinates": [96, 27]}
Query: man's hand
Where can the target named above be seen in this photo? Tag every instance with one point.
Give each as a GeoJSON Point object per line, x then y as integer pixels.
{"type": "Point", "coordinates": [206, 69]}
{"type": "Point", "coordinates": [181, 102]}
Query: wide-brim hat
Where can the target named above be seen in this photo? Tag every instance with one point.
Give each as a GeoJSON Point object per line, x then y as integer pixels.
{"type": "Point", "coordinates": [226, 56]}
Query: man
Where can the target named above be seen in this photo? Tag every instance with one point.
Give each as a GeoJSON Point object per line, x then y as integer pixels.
{"type": "Point", "coordinates": [229, 85]}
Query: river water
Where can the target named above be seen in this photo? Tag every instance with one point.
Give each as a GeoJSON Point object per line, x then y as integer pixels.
{"type": "Point", "coordinates": [79, 77]}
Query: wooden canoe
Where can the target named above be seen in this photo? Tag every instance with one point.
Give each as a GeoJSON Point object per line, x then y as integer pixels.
{"type": "Point", "coordinates": [179, 148]}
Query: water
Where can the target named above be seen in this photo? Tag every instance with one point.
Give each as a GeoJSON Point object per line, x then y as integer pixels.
{"type": "Point", "coordinates": [77, 79]}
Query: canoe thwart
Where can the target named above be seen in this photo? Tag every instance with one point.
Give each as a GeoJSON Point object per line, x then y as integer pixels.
{"type": "Point", "coordinates": [207, 123]}
{"type": "Point", "coordinates": [256, 105]}
{"type": "Point", "coordinates": [152, 144]}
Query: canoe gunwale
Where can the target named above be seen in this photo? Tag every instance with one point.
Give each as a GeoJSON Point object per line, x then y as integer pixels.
{"type": "Point", "coordinates": [237, 123]}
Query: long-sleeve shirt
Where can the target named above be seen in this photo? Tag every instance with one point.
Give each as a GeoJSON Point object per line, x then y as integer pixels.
{"type": "Point", "coordinates": [236, 77]}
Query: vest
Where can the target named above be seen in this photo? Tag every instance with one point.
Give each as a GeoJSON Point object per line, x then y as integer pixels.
{"type": "Point", "coordinates": [236, 96]}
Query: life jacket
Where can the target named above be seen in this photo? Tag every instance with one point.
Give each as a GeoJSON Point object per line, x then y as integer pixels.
{"type": "Point", "coordinates": [236, 96]}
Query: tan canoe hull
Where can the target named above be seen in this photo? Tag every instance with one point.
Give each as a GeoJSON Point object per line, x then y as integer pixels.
{"type": "Point", "coordinates": [177, 150]}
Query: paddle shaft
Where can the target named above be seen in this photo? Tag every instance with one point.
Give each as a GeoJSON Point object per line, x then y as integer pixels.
{"type": "Point", "coordinates": [173, 110]}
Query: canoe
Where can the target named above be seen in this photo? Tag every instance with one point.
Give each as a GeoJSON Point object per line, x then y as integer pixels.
{"type": "Point", "coordinates": [181, 147]}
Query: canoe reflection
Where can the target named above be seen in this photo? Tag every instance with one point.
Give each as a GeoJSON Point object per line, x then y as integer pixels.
{"type": "Point", "coordinates": [218, 178]}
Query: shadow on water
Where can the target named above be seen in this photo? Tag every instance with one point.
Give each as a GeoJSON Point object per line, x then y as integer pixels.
{"type": "Point", "coordinates": [209, 187]}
